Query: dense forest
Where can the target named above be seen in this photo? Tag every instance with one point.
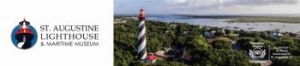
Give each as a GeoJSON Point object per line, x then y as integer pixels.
{"type": "Point", "coordinates": [191, 47]}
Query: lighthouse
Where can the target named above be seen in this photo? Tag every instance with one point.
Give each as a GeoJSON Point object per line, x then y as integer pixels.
{"type": "Point", "coordinates": [24, 35]}
{"type": "Point", "coordinates": [141, 50]}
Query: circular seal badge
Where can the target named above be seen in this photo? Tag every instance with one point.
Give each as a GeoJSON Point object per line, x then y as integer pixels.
{"type": "Point", "coordinates": [24, 36]}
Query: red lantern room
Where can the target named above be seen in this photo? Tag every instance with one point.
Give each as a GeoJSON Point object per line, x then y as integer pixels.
{"type": "Point", "coordinates": [141, 15]}
{"type": "Point", "coordinates": [24, 28]}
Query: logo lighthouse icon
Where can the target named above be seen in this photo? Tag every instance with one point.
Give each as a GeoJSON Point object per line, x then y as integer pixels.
{"type": "Point", "coordinates": [24, 36]}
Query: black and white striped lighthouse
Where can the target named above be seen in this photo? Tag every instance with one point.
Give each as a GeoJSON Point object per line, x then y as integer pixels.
{"type": "Point", "coordinates": [142, 51]}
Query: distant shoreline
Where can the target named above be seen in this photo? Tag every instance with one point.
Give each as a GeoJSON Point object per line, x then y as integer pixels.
{"type": "Point", "coordinates": [255, 19]}
{"type": "Point", "coordinates": [250, 18]}
{"type": "Point", "coordinates": [238, 18]}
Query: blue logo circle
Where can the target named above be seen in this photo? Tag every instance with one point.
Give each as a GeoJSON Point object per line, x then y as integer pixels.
{"type": "Point", "coordinates": [24, 36]}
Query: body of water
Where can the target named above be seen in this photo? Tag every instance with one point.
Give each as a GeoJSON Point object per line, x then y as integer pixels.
{"type": "Point", "coordinates": [256, 26]}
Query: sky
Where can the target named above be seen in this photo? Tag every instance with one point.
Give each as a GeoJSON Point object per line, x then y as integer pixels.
{"type": "Point", "coordinates": [200, 7]}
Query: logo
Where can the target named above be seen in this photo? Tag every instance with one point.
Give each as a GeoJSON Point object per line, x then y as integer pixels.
{"type": "Point", "coordinates": [24, 36]}
{"type": "Point", "coordinates": [259, 53]}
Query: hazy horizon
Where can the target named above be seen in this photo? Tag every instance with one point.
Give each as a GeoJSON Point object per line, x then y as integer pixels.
{"type": "Point", "coordinates": [282, 15]}
{"type": "Point", "coordinates": [208, 7]}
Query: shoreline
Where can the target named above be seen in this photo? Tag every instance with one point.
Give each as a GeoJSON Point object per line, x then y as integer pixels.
{"type": "Point", "coordinates": [230, 27]}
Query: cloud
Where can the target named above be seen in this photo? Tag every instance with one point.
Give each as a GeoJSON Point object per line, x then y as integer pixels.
{"type": "Point", "coordinates": [226, 3]}
{"type": "Point", "coordinates": [207, 6]}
